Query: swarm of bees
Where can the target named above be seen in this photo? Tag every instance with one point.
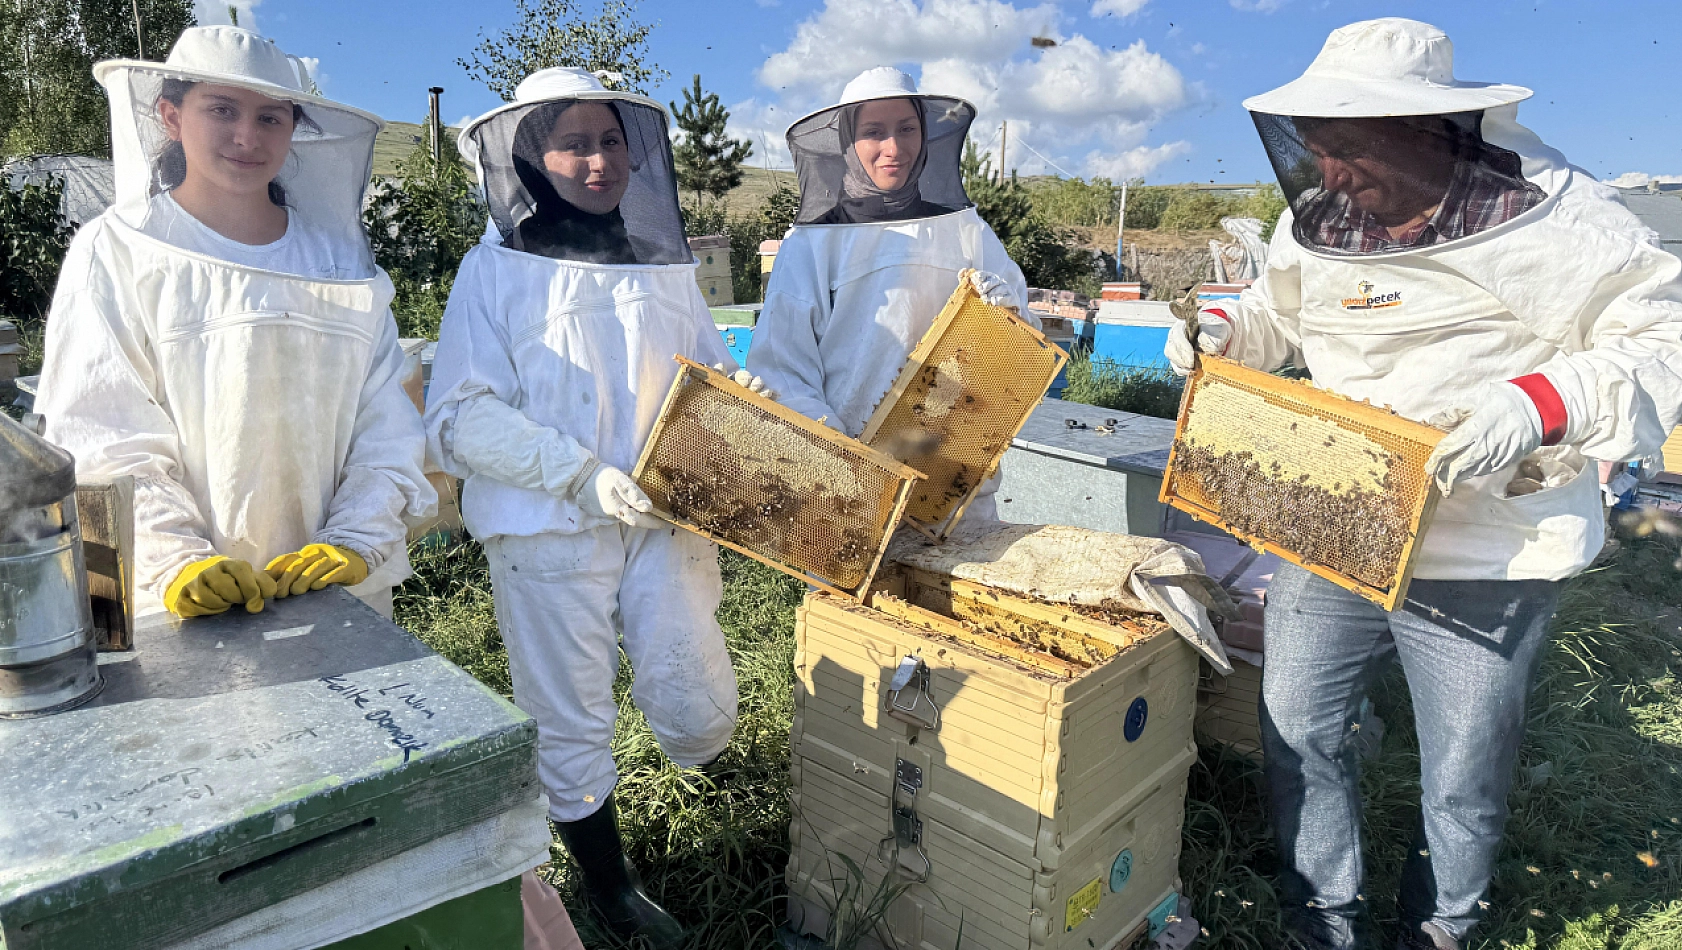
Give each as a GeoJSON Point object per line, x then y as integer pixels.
{"type": "Point", "coordinates": [1356, 532]}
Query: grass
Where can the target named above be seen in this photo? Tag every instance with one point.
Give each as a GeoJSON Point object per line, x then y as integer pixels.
{"type": "Point", "coordinates": [1598, 797]}
{"type": "Point", "coordinates": [1150, 391]}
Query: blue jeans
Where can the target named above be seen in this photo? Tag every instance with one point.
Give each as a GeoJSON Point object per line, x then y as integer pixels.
{"type": "Point", "coordinates": [1469, 650]}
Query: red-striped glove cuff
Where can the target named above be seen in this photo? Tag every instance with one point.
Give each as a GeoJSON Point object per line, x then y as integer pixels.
{"type": "Point", "coordinates": [1548, 405]}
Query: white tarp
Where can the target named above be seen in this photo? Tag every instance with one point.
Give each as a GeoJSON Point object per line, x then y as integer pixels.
{"type": "Point", "coordinates": [1063, 564]}
{"type": "Point", "coordinates": [89, 186]}
{"type": "Point", "coordinates": [1245, 256]}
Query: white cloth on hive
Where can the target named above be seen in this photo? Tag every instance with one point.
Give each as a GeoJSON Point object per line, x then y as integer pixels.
{"type": "Point", "coordinates": [1062, 564]}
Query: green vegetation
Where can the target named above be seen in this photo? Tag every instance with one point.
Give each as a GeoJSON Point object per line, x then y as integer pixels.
{"type": "Point", "coordinates": [49, 102]}
{"type": "Point", "coordinates": [558, 33]}
{"type": "Point", "coordinates": [1148, 391]}
{"type": "Point", "coordinates": [708, 160]}
{"type": "Point", "coordinates": [420, 224]}
{"type": "Point", "coordinates": [1074, 202]}
{"type": "Point", "coordinates": [1049, 256]}
{"type": "Point", "coordinates": [1593, 859]}
{"type": "Point", "coordinates": [33, 239]}
{"type": "Point", "coordinates": [769, 222]}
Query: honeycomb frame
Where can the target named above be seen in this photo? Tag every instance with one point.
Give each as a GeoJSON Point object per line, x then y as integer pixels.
{"type": "Point", "coordinates": [730, 508]}
{"type": "Point", "coordinates": [1316, 442]}
{"type": "Point", "coordinates": [1003, 368]}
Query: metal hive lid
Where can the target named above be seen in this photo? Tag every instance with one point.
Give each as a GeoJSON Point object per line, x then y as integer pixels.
{"type": "Point", "coordinates": [33, 471]}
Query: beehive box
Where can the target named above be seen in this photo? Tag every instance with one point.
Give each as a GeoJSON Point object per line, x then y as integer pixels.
{"type": "Point", "coordinates": [963, 394]}
{"type": "Point", "coordinates": [1048, 792]}
{"type": "Point", "coordinates": [105, 514]}
{"type": "Point", "coordinates": [1336, 486]}
{"type": "Point", "coordinates": [1229, 708]}
{"type": "Point", "coordinates": [762, 479]}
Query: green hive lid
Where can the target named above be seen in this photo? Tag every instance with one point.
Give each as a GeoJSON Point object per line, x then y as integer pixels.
{"type": "Point", "coordinates": [33, 471]}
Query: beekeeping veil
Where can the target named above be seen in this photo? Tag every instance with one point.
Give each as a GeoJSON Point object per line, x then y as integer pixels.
{"type": "Point", "coordinates": [1378, 130]}
{"type": "Point", "coordinates": [332, 144]}
{"type": "Point", "coordinates": [526, 208]}
{"type": "Point", "coordinates": [834, 187]}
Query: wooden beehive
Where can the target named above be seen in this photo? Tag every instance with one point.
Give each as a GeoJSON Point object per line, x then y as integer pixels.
{"type": "Point", "coordinates": [1040, 806]}
{"type": "Point", "coordinates": [963, 394]}
{"type": "Point", "coordinates": [1336, 486]}
{"type": "Point", "coordinates": [105, 514]}
{"type": "Point", "coordinates": [762, 479]}
{"type": "Point", "coordinates": [1229, 709]}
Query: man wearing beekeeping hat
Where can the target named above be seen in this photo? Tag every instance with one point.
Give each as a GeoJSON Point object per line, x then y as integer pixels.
{"type": "Point", "coordinates": [1438, 258]}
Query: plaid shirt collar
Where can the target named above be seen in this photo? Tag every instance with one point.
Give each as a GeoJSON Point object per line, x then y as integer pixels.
{"type": "Point", "coordinates": [1477, 199]}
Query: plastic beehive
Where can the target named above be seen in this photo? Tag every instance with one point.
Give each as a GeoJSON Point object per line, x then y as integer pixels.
{"type": "Point", "coordinates": [1336, 486]}
{"type": "Point", "coordinates": [761, 479]}
{"type": "Point", "coordinates": [964, 393]}
{"type": "Point", "coordinates": [1049, 785]}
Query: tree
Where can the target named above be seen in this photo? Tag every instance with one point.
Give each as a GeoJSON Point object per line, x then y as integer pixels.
{"type": "Point", "coordinates": [420, 225]}
{"type": "Point", "coordinates": [709, 161]}
{"type": "Point", "coordinates": [1048, 257]}
{"type": "Point", "coordinates": [48, 99]}
{"type": "Point", "coordinates": [557, 33]}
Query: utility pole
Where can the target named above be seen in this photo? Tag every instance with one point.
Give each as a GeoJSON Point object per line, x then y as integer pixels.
{"type": "Point", "coordinates": [1120, 223]}
{"type": "Point", "coordinates": [1004, 146]}
{"type": "Point", "coordinates": [139, 35]}
{"type": "Point", "coordinates": [435, 121]}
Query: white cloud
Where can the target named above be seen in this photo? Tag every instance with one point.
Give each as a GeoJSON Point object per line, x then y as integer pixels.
{"type": "Point", "coordinates": [1641, 180]}
{"type": "Point", "coordinates": [1135, 162]}
{"type": "Point", "coordinates": [1120, 8]}
{"type": "Point", "coordinates": [847, 37]}
{"type": "Point", "coordinates": [213, 12]}
{"type": "Point", "coordinates": [1065, 100]}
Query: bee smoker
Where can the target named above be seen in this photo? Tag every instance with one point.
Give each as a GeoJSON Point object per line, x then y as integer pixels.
{"type": "Point", "coordinates": [47, 658]}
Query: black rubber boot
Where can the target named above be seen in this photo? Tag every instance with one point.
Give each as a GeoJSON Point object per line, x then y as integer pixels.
{"type": "Point", "coordinates": [612, 882]}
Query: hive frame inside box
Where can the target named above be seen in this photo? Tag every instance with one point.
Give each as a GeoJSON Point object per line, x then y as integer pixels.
{"type": "Point", "coordinates": [1053, 813]}
{"type": "Point", "coordinates": [693, 372]}
{"type": "Point", "coordinates": [965, 317]}
{"type": "Point", "coordinates": [1309, 400]}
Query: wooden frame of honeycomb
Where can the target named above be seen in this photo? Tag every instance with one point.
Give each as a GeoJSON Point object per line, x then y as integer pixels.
{"type": "Point", "coordinates": [803, 505]}
{"type": "Point", "coordinates": [968, 388]}
{"type": "Point", "coordinates": [1335, 486]}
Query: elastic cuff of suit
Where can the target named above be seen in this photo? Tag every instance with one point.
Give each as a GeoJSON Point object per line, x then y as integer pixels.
{"type": "Point", "coordinates": [1548, 405]}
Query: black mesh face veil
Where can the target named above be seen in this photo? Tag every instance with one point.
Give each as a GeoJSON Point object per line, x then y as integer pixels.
{"type": "Point", "coordinates": [526, 202]}
{"type": "Point", "coordinates": [821, 143]}
{"type": "Point", "coordinates": [1362, 186]}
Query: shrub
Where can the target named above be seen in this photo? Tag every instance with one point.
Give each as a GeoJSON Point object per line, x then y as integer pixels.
{"type": "Point", "coordinates": [420, 225]}
{"type": "Point", "coordinates": [1077, 203]}
{"type": "Point", "coordinates": [33, 239]}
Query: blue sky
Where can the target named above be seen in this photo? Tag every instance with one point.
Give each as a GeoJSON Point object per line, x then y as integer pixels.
{"type": "Point", "coordinates": [1147, 87]}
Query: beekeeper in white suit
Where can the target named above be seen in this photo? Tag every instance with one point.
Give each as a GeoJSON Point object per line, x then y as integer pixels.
{"type": "Point", "coordinates": [553, 363]}
{"type": "Point", "coordinates": [222, 334]}
{"type": "Point", "coordinates": [883, 231]}
{"type": "Point", "coordinates": [1439, 259]}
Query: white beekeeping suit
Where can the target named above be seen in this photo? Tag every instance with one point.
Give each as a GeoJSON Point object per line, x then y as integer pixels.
{"type": "Point", "coordinates": [253, 391]}
{"type": "Point", "coordinates": [555, 358]}
{"type": "Point", "coordinates": [866, 269]}
{"type": "Point", "coordinates": [1530, 291]}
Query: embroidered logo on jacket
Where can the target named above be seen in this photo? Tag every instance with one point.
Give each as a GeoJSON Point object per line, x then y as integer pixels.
{"type": "Point", "coordinates": [1367, 300]}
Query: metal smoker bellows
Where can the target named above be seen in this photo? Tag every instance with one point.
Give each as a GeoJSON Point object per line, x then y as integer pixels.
{"type": "Point", "coordinates": [764, 480]}
{"type": "Point", "coordinates": [47, 660]}
{"type": "Point", "coordinates": [965, 392]}
{"type": "Point", "coordinates": [1336, 486]}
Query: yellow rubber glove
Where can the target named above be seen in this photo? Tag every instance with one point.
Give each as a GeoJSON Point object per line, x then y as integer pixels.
{"type": "Point", "coordinates": [214, 584]}
{"type": "Point", "coordinates": [314, 567]}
